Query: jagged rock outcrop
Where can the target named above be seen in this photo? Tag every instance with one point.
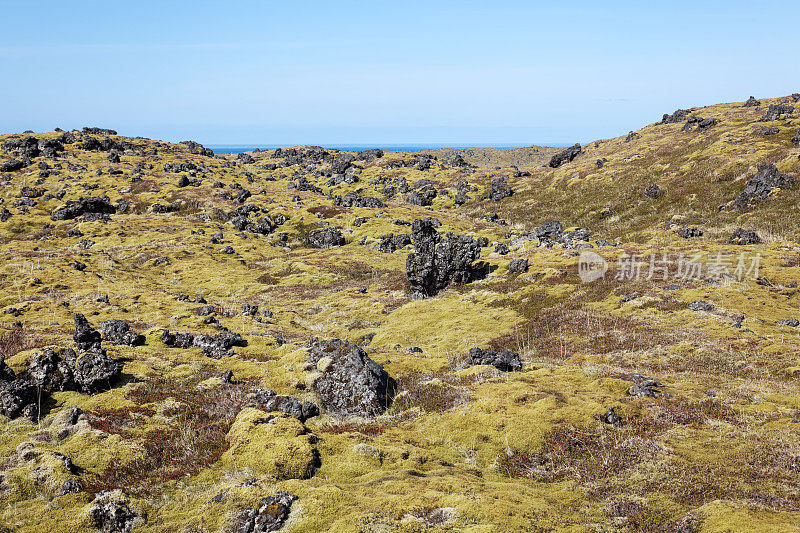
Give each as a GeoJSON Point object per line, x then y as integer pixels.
{"type": "Point", "coordinates": [213, 346]}
{"type": "Point", "coordinates": [348, 382]}
{"type": "Point", "coordinates": [437, 262]}
{"type": "Point", "coordinates": [751, 102]}
{"type": "Point", "coordinates": [119, 332]}
{"type": "Point", "coordinates": [391, 242]}
{"type": "Point", "coordinates": [500, 189]}
{"type": "Point", "coordinates": [82, 206]}
{"type": "Point", "coordinates": [743, 236]}
{"type": "Point", "coordinates": [110, 513]}
{"type": "Point", "coordinates": [507, 361]}
{"type": "Point", "coordinates": [329, 237]}
{"type": "Point", "coordinates": [759, 187]}
{"type": "Point", "coordinates": [676, 117]}
{"type": "Point", "coordinates": [565, 156]}
{"type": "Point", "coordinates": [353, 199]}
{"type": "Point", "coordinates": [775, 111]}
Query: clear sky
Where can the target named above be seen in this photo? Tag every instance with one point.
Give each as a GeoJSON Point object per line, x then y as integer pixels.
{"type": "Point", "coordinates": [522, 72]}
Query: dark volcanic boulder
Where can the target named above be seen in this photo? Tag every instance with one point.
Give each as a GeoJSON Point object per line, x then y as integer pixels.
{"type": "Point", "coordinates": [653, 191]}
{"type": "Point", "coordinates": [370, 155]}
{"type": "Point", "coordinates": [12, 165]}
{"type": "Point", "coordinates": [353, 199]}
{"type": "Point", "coordinates": [566, 156]}
{"type": "Point", "coordinates": [549, 232]}
{"type": "Point", "coordinates": [52, 372]}
{"type": "Point", "coordinates": [743, 236]}
{"type": "Point", "coordinates": [112, 514]}
{"type": "Point", "coordinates": [391, 242]}
{"type": "Point", "coordinates": [86, 337]}
{"type": "Point", "coordinates": [268, 400]}
{"type": "Point", "coordinates": [82, 206]}
{"type": "Point", "coordinates": [774, 112]}
{"type": "Point", "coordinates": [437, 262]}
{"type": "Point", "coordinates": [213, 346]}
{"type": "Point", "coordinates": [18, 398]}
{"type": "Point", "coordinates": [422, 197]}
{"type": "Point", "coordinates": [757, 188]}
{"type": "Point", "coordinates": [349, 382]}
{"type": "Point", "coordinates": [751, 102]}
{"type": "Point", "coordinates": [678, 116]}
{"type": "Point", "coordinates": [119, 332]}
{"type": "Point", "coordinates": [796, 138]}
{"type": "Point", "coordinates": [500, 189]}
{"type": "Point", "coordinates": [518, 266]}
{"type": "Point", "coordinates": [99, 131]}
{"type": "Point", "coordinates": [326, 238]}
{"type": "Point", "coordinates": [701, 123]}
{"type": "Point", "coordinates": [690, 233]}
{"type": "Point", "coordinates": [341, 163]}
{"type": "Point", "coordinates": [197, 148]}
{"type": "Point", "coordinates": [270, 515]}
{"type": "Point", "coordinates": [94, 372]}
{"type": "Point", "coordinates": [507, 361]}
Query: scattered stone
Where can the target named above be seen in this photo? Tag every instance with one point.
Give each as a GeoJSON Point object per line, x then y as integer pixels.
{"type": "Point", "coordinates": [689, 233]}
{"type": "Point", "coordinates": [270, 515]}
{"type": "Point", "coordinates": [632, 136]}
{"type": "Point", "coordinates": [268, 400]}
{"type": "Point", "coordinates": [507, 361]}
{"type": "Point", "coordinates": [796, 138]}
{"type": "Point", "coordinates": [86, 337]}
{"type": "Point", "coordinates": [743, 236]}
{"type": "Point", "coordinates": [215, 347]}
{"type": "Point", "coordinates": [349, 383]}
{"type": "Point", "coordinates": [791, 322]}
{"type": "Point", "coordinates": [767, 131]}
{"type": "Point", "coordinates": [645, 387]}
{"type": "Point", "coordinates": [611, 417]}
{"type": "Point", "coordinates": [82, 206]}
{"type": "Point", "coordinates": [391, 242]}
{"type": "Point", "coordinates": [701, 305]}
{"type": "Point", "coordinates": [119, 332]}
{"type": "Point", "coordinates": [518, 266]}
{"type": "Point", "coordinates": [326, 238]}
{"type": "Point", "coordinates": [501, 248]}
{"type": "Point", "coordinates": [549, 232]}
{"type": "Point", "coordinates": [565, 156]}
{"type": "Point", "coordinates": [436, 262]}
{"type": "Point", "coordinates": [12, 165]}
{"type": "Point", "coordinates": [110, 512]}
{"type": "Point", "coordinates": [751, 102]}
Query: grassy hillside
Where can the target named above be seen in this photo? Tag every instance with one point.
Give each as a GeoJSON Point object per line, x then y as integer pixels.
{"type": "Point", "coordinates": [714, 447]}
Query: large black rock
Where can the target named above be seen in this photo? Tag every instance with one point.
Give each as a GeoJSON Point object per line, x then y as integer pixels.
{"type": "Point", "coordinates": [766, 179]}
{"type": "Point", "coordinates": [82, 206]}
{"type": "Point", "coordinates": [349, 383]}
{"type": "Point", "coordinates": [437, 262]}
{"type": "Point", "coordinates": [774, 112]}
{"type": "Point", "coordinates": [326, 238]}
{"type": "Point", "coordinates": [507, 361]}
{"type": "Point", "coordinates": [119, 332]}
{"type": "Point", "coordinates": [566, 156]}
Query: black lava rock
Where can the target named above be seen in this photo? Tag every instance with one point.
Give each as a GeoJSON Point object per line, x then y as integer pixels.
{"type": "Point", "coordinates": [349, 383]}
{"type": "Point", "coordinates": [437, 262]}
{"type": "Point", "coordinates": [566, 156]}
{"type": "Point", "coordinates": [507, 361]}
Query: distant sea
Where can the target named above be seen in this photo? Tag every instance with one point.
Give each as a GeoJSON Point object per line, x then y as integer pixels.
{"type": "Point", "coordinates": [238, 148]}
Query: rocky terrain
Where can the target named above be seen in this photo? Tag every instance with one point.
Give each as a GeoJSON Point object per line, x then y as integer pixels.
{"type": "Point", "coordinates": [595, 338]}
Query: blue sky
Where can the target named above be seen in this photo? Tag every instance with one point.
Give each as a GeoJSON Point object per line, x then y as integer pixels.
{"type": "Point", "coordinates": [385, 72]}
